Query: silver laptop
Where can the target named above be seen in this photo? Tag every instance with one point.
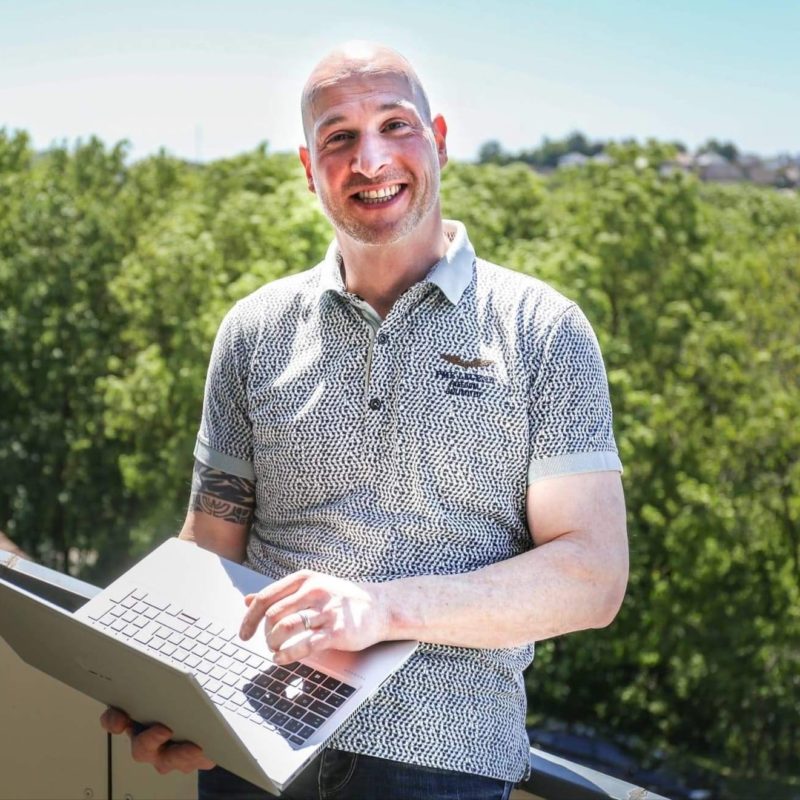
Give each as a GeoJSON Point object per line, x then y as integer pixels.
{"type": "Point", "coordinates": [162, 644]}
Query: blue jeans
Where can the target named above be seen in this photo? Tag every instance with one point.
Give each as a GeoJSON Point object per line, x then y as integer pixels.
{"type": "Point", "coordinates": [336, 775]}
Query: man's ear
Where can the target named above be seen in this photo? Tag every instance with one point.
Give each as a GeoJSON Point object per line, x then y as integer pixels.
{"type": "Point", "coordinates": [440, 135]}
{"type": "Point", "coordinates": [305, 158]}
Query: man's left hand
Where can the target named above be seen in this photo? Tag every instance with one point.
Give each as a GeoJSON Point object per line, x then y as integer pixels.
{"type": "Point", "coordinates": [307, 612]}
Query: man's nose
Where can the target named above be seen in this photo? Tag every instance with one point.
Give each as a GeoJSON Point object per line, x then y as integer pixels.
{"type": "Point", "coordinates": [371, 155]}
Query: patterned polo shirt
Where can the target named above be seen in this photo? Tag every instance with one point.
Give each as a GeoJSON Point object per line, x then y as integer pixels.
{"type": "Point", "coordinates": [399, 447]}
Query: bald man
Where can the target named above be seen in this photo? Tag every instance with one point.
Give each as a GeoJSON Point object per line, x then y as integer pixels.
{"type": "Point", "coordinates": [416, 444]}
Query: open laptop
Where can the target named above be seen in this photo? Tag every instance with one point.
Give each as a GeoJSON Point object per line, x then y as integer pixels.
{"type": "Point", "coordinates": [161, 643]}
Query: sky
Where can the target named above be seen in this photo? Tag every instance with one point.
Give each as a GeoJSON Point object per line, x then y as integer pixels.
{"type": "Point", "coordinates": [206, 80]}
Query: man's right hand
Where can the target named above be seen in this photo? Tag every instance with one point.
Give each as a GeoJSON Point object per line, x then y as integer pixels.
{"type": "Point", "coordinates": [153, 746]}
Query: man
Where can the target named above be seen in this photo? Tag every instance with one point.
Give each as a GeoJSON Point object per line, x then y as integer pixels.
{"type": "Point", "coordinates": [389, 435]}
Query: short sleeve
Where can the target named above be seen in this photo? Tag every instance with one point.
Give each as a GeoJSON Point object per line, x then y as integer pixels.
{"type": "Point", "coordinates": [225, 439]}
{"type": "Point", "coordinates": [570, 410]}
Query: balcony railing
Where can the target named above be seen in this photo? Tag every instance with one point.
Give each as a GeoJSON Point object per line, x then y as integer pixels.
{"type": "Point", "coordinates": [52, 747]}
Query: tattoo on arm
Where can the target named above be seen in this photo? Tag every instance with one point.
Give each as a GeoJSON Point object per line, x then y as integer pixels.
{"type": "Point", "coordinates": [222, 495]}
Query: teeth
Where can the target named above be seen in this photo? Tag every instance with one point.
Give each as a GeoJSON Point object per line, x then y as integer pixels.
{"type": "Point", "coordinates": [378, 195]}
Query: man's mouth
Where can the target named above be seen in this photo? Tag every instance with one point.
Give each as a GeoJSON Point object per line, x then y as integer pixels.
{"type": "Point", "coordinates": [380, 196]}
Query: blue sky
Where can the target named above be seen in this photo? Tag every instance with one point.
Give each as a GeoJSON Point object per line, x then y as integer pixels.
{"type": "Point", "coordinates": [210, 79]}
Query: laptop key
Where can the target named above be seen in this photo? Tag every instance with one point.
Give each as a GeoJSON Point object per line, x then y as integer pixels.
{"type": "Point", "coordinates": [256, 692]}
{"type": "Point", "coordinates": [172, 622]}
{"type": "Point", "coordinates": [321, 708]}
{"type": "Point", "coordinates": [335, 700]}
{"type": "Point", "coordinates": [345, 690]}
{"type": "Point", "coordinates": [293, 725]}
{"type": "Point", "coordinates": [312, 719]}
{"type": "Point", "coordinates": [297, 712]}
{"type": "Point", "coordinates": [317, 677]}
{"type": "Point", "coordinates": [283, 704]}
{"type": "Point", "coordinates": [295, 739]}
{"type": "Point", "coordinates": [320, 693]}
{"type": "Point", "coordinates": [303, 670]}
{"type": "Point", "coordinates": [143, 637]}
{"type": "Point", "coordinates": [305, 731]}
{"type": "Point", "coordinates": [332, 684]}
{"type": "Point", "coordinates": [280, 719]}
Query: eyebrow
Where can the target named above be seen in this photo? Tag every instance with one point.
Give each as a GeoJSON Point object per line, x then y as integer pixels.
{"type": "Point", "coordinates": [328, 122]}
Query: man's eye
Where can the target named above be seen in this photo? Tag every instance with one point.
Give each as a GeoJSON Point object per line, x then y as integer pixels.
{"type": "Point", "coordinates": [396, 124]}
{"type": "Point", "coordinates": [337, 137]}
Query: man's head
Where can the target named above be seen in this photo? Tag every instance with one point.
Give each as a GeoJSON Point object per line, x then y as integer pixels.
{"type": "Point", "coordinates": [373, 153]}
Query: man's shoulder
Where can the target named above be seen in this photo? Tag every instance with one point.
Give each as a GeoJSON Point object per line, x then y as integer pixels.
{"type": "Point", "coordinates": [509, 290]}
{"type": "Point", "coordinates": [277, 300]}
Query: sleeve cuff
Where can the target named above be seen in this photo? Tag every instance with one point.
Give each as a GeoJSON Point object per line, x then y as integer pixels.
{"type": "Point", "coordinates": [225, 463]}
{"type": "Point", "coordinates": [573, 464]}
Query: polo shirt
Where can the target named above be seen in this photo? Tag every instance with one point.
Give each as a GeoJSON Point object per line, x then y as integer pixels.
{"type": "Point", "coordinates": [404, 446]}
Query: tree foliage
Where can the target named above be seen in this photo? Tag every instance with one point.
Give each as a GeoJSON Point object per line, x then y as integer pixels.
{"type": "Point", "coordinates": [113, 278]}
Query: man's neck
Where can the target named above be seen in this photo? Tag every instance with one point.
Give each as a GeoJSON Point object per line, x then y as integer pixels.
{"type": "Point", "coordinates": [381, 273]}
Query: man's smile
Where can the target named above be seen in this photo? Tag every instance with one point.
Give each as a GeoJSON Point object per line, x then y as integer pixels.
{"type": "Point", "coordinates": [383, 196]}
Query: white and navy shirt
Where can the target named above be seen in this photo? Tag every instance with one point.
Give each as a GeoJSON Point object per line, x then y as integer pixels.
{"type": "Point", "coordinates": [388, 448]}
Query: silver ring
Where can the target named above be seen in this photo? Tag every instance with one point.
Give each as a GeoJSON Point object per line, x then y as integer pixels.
{"type": "Point", "coordinates": [306, 619]}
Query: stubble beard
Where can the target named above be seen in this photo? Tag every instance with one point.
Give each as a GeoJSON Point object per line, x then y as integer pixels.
{"type": "Point", "coordinates": [389, 233]}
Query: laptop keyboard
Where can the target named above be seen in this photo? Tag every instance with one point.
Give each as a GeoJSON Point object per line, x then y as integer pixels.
{"type": "Point", "coordinates": [292, 699]}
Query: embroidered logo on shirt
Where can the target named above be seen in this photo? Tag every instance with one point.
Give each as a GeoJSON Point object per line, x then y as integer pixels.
{"type": "Point", "coordinates": [475, 363]}
{"type": "Point", "coordinates": [465, 384]}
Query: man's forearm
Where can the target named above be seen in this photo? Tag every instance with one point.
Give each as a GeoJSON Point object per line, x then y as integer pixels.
{"type": "Point", "coordinates": [560, 586]}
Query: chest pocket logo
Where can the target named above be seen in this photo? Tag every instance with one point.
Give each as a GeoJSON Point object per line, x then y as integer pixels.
{"type": "Point", "coordinates": [466, 384]}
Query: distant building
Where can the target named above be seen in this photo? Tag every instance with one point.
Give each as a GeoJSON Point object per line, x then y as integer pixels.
{"type": "Point", "coordinates": [572, 160]}
{"type": "Point", "coordinates": [714, 167]}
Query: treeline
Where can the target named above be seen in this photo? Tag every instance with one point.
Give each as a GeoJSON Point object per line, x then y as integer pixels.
{"type": "Point", "coordinates": [547, 154]}
{"type": "Point", "coordinates": [114, 276]}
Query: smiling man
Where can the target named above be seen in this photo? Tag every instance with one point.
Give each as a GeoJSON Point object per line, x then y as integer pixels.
{"type": "Point", "coordinates": [416, 444]}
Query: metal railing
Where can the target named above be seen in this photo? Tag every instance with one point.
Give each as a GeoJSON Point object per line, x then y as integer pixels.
{"type": "Point", "coordinates": [52, 747]}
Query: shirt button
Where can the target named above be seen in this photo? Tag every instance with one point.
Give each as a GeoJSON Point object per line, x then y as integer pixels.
{"type": "Point", "coordinates": [382, 338]}
{"type": "Point", "coordinates": [375, 403]}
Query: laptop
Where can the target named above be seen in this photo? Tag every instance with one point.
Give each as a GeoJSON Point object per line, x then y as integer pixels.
{"type": "Point", "coordinates": [162, 643]}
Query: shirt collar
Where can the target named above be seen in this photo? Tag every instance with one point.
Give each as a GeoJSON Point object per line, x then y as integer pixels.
{"type": "Point", "coordinates": [452, 273]}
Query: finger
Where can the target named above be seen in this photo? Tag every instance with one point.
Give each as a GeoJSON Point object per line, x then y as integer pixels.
{"type": "Point", "coordinates": [115, 721]}
{"type": "Point", "coordinates": [302, 646]}
{"type": "Point", "coordinates": [291, 606]}
{"type": "Point", "coordinates": [266, 597]}
{"type": "Point", "coordinates": [183, 756]}
{"type": "Point", "coordinates": [293, 625]}
{"type": "Point", "coordinates": [145, 746]}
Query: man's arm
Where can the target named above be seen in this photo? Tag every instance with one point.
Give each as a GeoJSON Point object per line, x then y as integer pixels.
{"type": "Point", "coordinates": [220, 512]}
{"type": "Point", "coordinates": [573, 579]}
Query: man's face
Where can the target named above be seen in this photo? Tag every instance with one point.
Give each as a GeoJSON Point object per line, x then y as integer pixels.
{"type": "Point", "coordinates": [372, 159]}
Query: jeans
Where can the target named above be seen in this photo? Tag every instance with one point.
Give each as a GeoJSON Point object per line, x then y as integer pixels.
{"type": "Point", "coordinates": [337, 775]}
